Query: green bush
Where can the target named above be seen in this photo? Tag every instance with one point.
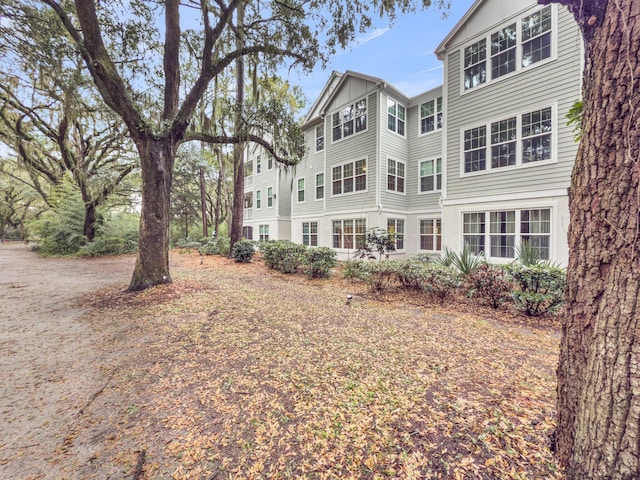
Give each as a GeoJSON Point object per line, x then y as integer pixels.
{"type": "Point", "coordinates": [410, 273]}
{"type": "Point", "coordinates": [465, 260]}
{"type": "Point", "coordinates": [243, 251]}
{"type": "Point", "coordinates": [352, 269]}
{"type": "Point", "coordinates": [118, 235]}
{"type": "Point", "coordinates": [490, 285]}
{"type": "Point", "coordinates": [319, 261]}
{"type": "Point", "coordinates": [282, 255]}
{"type": "Point", "coordinates": [377, 241]}
{"type": "Point", "coordinates": [540, 287]}
{"type": "Point", "coordinates": [219, 246]}
{"type": "Point", "coordinates": [439, 281]}
{"type": "Point", "coordinates": [379, 275]}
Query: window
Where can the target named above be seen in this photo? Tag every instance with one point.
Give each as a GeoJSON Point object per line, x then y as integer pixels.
{"type": "Point", "coordinates": [431, 234]}
{"type": "Point", "coordinates": [258, 164]}
{"type": "Point", "coordinates": [349, 234]}
{"type": "Point", "coordinates": [507, 230]}
{"type": "Point", "coordinates": [395, 227]}
{"type": "Point", "coordinates": [319, 186]}
{"type": "Point", "coordinates": [502, 227]}
{"type": "Point", "coordinates": [503, 51]}
{"type": "Point", "coordinates": [473, 229]}
{"type": "Point", "coordinates": [395, 176]}
{"type": "Point", "coordinates": [258, 202]}
{"type": "Point", "coordinates": [248, 169]}
{"type": "Point", "coordinates": [431, 175]}
{"type": "Point", "coordinates": [300, 190]}
{"type": "Point", "coordinates": [396, 114]}
{"type": "Point", "coordinates": [475, 64]}
{"type": "Point", "coordinates": [536, 136]}
{"type": "Point", "coordinates": [270, 197]}
{"type": "Point", "coordinates": [270, 163]}
{"type": "Point", "coordinates": [431, 116]}
{"type": "Point", "coordinates": [351, 119]}
{"type": "Point", "coordinates": [349, 177]}
{"type": "Point", "coordinates": [248, 200]}
{"type": "Point", "coordinates": [319, 137]}
{"type": "Point", "coordinates": [514, 47]}
{"type": "Point", "coordinates": [264, 232]}
{"type": "Point", "coordinates": [310, 234]}
{"type": "Point", "coordinates": [516, 140]}
{"type": "Point", "coordinates": [536, 37]}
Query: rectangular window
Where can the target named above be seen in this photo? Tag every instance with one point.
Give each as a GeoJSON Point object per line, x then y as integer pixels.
{"type": "Point", "coordinates": [503, 51]}
{"type": "Point", "coordinates": [300, 190]}
{"type": "Point", "coordinates": [504, 136]}
{"type": "Point", "coordinates": [349, 234]}
{"type": "Point", "coordinates": [258, 202]}
{"type": "Point", "coordinates": [258, 164]}
{"type": "Point", "coordinates": [319, 137]}
{"type": "Point", "coordinates": [502, 228]}
{"type": "Point", "coordinates": [248, 200]}
{"type": "Point", "coordinates": [395, 226]}
{"type": "Point", "coordinates": [536, 136]}
{"type": "Point", "coordinates": [395, 176]}
{"type": "Point", "coordinates": [310, 234]}
{"type": "Point", "coordinates": [248, 169]}
{"type": "Point", "coordinates": [473, 230]}
{"type": "Point", "coordinates": [351, 119]}
{"type": "Point", "coordinates": [475, 152]}
{"type": "Point", "coordinates": [270, 163]}
{"type": "Point", "coordinates": [349, 177]}
{"type": "Point", "coordinates": [431, 175]}
{"type": "Point", "coordinates": [431, 116]}
{"type": "Point", "coordinates": [270, 197]}
{"type": "Point", "coordinates": [535, 228]}
{"type": "Point", "coordinates": [536, 37]}
{"type": "Point", "coordinates": [475, 64]}
{"type": "Point", "coordinates": [396, 115]}
{"type": "Point", "coordinates": [431, 234]}
{"type": "Point", "coordinates": [319, 186]}
{"type": "Point", "coordinates": [264, 232]}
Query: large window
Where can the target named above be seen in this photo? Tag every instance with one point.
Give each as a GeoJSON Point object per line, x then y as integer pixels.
{"type": "Point", "coordinates": [351, 119]}
{"type": "Point", "coordinates": [349, 234]}
{"type": "Point", "coordinates": [300, 190]}
{"type": "Point", "coordinates": [431, 175]}
{"type": "Point", "coordinates": [264, 232]}
{"type": "Point", "coordinates": [515, 140]}
{"type": "Point", "coordinates": [507, 230]}
{"type": "Point", "coordinates": [395, 176]}
{"type": "Point", "coordinates": [310, 234]}
{"type": "Point", "coordinates": [516, 46]}
{"type": "Point", "coordinates": [431, 234]}
{"type": "Point", "coordinates": [270, 197]}
{"type": "Point", "coordinates": [396, 117]}
{"type": "Point", "coordinates": [395, 226]}
{"type": "Point", "coordinates": [350, 177]}
{"type": "Point", "coordinates": [431, 116]}
{"type": "Point", "coordinates": [319, 186]}
{"type": "Point", "coordinates": [320, 137]}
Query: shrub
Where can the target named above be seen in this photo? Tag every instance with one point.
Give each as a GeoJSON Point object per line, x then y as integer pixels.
{"type": "Point", "coordinates": [218, 246]}
{"type": "Point", "coordinates": [540, 287]}
{"type": "Point", "coordinates": [439, 281]}
{"type": "Point", "coordinates": [118, 235]}
{"type": "Point", "coordinates": [376, 241]}
{"type": "Point", "coordinates": [352, 269]}
{"type": "Point", "coordinates": [490, 285]}
{"type": "Point", "coordinates": [378, 275]}
{"type": "Point", "coordinates": [410, 273]}
{"type": "Point", "coordinates": [283, 255]}
{"type": "Point", "coordinates": [319, 261]}
{"type": "Point", "coordinates": [465, 261]}
{"type": "Point", "coordinates": [243, 251]}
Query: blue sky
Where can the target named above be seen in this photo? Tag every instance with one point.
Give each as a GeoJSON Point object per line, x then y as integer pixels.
{"type": "Point", "coordinates": [402, 54]}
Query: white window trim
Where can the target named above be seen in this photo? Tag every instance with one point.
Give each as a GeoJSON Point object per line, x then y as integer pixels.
{"type": "Point", "coordinates": [404, 233]}
{"type": "Point", "coordinates": [330, 122]}
{"type": "Point", "coordinates": [258, 165]}
{"type": "Point", "coordinates": [273, 198]}
{"type": "Point", "coordinates": [386, 177]}
{"type": "Point", "coordinates": [324, 137]}
{"type": "Point", "coordinates": [354, 192]}
{"type": "Point", "coordinates": [354, 219]}
{"type": "Point", "coordinates": [434, 160]}
{"type": "Point", "coordinates": [552, 207]}
{"type": "Point", "coordinates": [435, 104]}
{"type": "Point", "coordinates": [303, 190]}
{"type": "Point", "coordinates": [519, 165]}
{"type": "Point", "coordinates": [315, 186]}
{"type": "Point", "coordinates": [258, 194]}
{"type": "Point", "coordinates": [432, 218]}
{"type": "Point", "coordinates": [519, 68]}
{"type": "Point", "coordinates": [317, 234]}
{"type": "Point", "coordinates": [406, 114]}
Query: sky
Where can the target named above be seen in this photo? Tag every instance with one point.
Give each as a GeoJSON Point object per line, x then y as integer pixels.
{"type": "Point", "coordinates": [402, 54]}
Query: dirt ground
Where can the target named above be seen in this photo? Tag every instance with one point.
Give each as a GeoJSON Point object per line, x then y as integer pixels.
{"type": "Point", "coordinates": [51, 363]}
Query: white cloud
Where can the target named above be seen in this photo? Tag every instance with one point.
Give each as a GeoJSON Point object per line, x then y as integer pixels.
{"type": "Point", "coordinates": [367, 37]}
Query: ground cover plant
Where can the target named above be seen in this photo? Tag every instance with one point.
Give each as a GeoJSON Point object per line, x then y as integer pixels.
{"type": "Point", "coordinates": [240, 371]}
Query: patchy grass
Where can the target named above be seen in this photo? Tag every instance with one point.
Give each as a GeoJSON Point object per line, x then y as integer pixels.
{"type": "Point", "coordinates": [235, 371]}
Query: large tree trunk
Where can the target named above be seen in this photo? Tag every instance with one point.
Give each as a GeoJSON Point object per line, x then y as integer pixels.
{"type": "Point", "coordinates": [599, 372]}
{"type": "Point", "coordinates": [90, 220]}
{"type": "Point", "coordinates": [152, 264]}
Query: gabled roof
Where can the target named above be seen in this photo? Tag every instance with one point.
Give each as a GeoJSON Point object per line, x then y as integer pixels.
{"type": "Point", "coordinates": [442, 47]}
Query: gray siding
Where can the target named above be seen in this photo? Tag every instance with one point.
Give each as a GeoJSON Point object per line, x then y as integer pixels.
{"type": "Point", "coordinates": [395, 147]}
{"type": "Point", "coordinates": [312, 164]}
{"type": "Point", "coordinates": [555, 83]}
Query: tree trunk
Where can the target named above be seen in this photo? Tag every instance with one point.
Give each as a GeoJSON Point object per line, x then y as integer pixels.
{"type": "Point", "coordinates": [218, 206]}
{"type": "Point", "coordinates": [203, 204]}
{"type": "Point", "coordinates": [599, 372]}
{"type": "Point", "coordinates": [90, 219]}
{"type": "Point", "coordinates": [152, 264]}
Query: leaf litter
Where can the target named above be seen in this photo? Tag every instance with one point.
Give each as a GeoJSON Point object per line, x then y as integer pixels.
{"type": "Point", "coordinates": [233, 371]}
